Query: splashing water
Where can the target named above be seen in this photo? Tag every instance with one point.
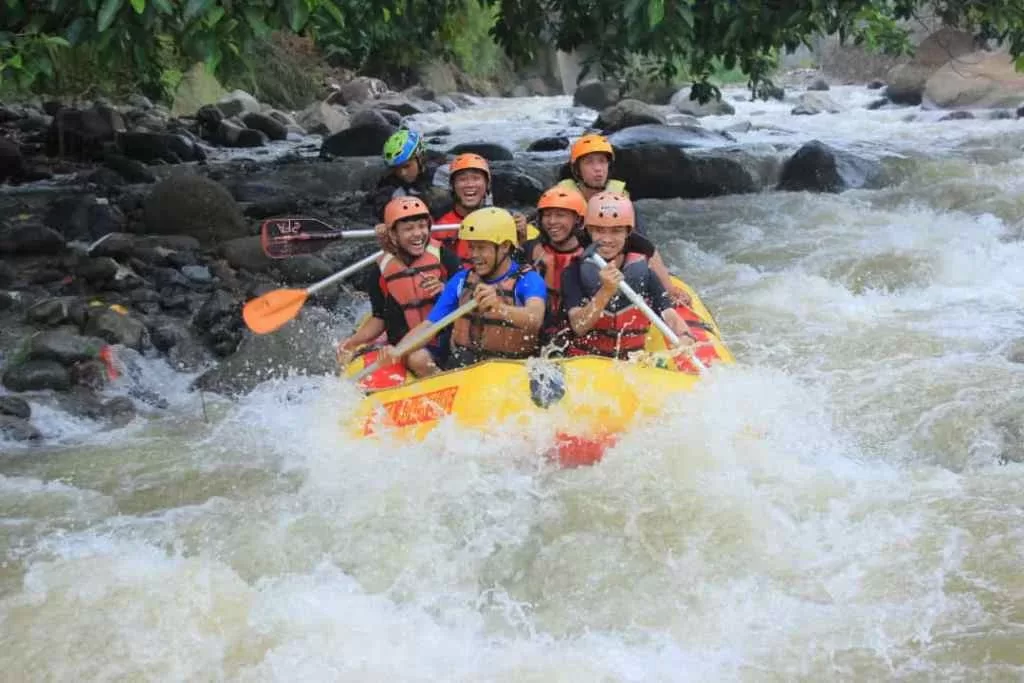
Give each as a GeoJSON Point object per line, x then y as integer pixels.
{"type": "Point", "coordinates": [831, 508]}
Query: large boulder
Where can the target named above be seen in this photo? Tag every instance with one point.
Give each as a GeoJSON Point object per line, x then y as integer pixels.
{"type": "Point", "coordinates": [167, 147]}
{"type": "Point", "coordinates": [979, 80]}
{"type": "Point", "coordinates": [682, 103]}
{"type": "Point", "coordinates": [811, 103]}
{"type": "Point", "coordinates": [115, 327]}
{"type": "Point", "coordinates": [906, 82]}
{"type": "Point", "coordinates": [12, 164]}
{"type": "Point", "coordinates": [817, 167]}
{"type": "Point", "coordinates": [627, 114]}
{"type": "Point", "coordinates": [23, 237]}
{"type": "Point", "coordinates": [491, 151]}
{"type": "Point", "coordinates": [676, 136]}
{"type": "Point", "coordinates": [596, 94]}
{"type": "Point", "coordinates": [196, 206]}
{"type": "Point", "coordinates": [323, 118]}
{"type": "Point", "coordinates": [36, 375]}
{"type": "Point", "coordinates": [662, 171]}
{"type": "Point", "coordinates": [362, 141]}
{"type": "Point", "coordinates": [64, 347]}
{"type": "Point", "coordinates": [83, 133]}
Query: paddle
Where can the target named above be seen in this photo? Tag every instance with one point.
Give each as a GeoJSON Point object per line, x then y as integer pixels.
{"type": "Point", "coordinates": [655, 319]}
{"type": "Point", "coordinates": [272, 310]}
{"type": "Point", "coordinates": [284, 237]}
{"type": "Point", "coordinates": [413, 341]}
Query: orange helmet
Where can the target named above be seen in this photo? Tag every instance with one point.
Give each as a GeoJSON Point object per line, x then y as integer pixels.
{"type": "Point", "coordinates": [401, 208]}
{"type": "Point", "coordinates": [590, 144]}
{"type": "Point", "coordinates": [609, 209]}
{"type": "Point", "coordinates": [563, 198]}
{"type": "Point", "coordinates": [465, 162]}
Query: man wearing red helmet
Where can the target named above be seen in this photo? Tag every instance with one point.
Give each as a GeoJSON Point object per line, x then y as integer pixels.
{"type": "Point", "coordinates": [604, 321]}
{"type": "Point", "coordinates": [405, 283]}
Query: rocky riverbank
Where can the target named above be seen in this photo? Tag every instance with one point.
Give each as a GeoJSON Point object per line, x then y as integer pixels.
{"type": "Point", "coordinates": [128, 232]}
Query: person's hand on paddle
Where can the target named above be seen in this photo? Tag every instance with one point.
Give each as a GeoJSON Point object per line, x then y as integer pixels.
{"type": "Point", "coordinates": [487, 299]}
{"type": "Point", "coordinates": [520, 220]}
{"type": "Point", "coordinates": [345, 354]}
{"type": "Point", "coordinates": [610, 278]}
{"type": "Point", "coordinates": [431, 285]}
{"type": "Point", "coordinates": [384, 238]}
{"type": "Point", "coordinates": [679, 326]}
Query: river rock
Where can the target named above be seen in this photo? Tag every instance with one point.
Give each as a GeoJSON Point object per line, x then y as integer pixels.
{"type": "Point", "coordinates": [906, 82]}
{"type": "Point", "coordinates": [37, 375]}
{"type": "Point", "coordinates": [12, 164]}
{"type": "Point", "coordinates": [515, 187]}
{"type": "Point", "coordinates": [817, 167]}
{"type": "Point", "coordinates": [981, 79]}
{"type": "Point", "coordinates": [246, 253]}
{"type": "Point", "coordinates": [682, 103]}
{"type": "Point", "coordinates": [64, 347]}
{"type": "Point", "coordinates": [405, 106]}
{"type": "Point", "coordinates": [268, 125]}
{"type": "Point", "coordinates": [272, 206]}
{"type": "Point", "coordinates": [13, 406]}
{"type": "Point", "coordinates": [488, 150]}
{"type": "Point", "coordinates": [627, 114]}
{"type": "Point", "coordinates": [549, 144]}
{"type": "Point", "coordinates": [83, 133]}
{"type": "Point", "coordinates": [183, 351]}
{"type": "Point", "coordinates": [167, 147]}
{"type": "Point", "coordinates": [82, 401]}
{"type": "Point", "coordinates": [131, 170]}
{"type": "Point", "coordinates": [304, 345]}
{"type": "Point", "coordinates": [23, 237]}
{"type": "Point", "coordinates": [195, 206]}
{"type": "Point", "coordinates": [57, 311]}
{"type": "Point", "coordinates": [366, 116]}
{"type": "Point", "coordinates": [596, 94]}
{"type": "Point", "coordinates": [811, 103]}
{"type": "Point", "coordinates": [84, 217]}
{"type": "Point", "coordinates": [323, 118]}
{"type": "Point", "coordinates": [147, 248]}
{"type": "Point", "coordinates": [358, 90]}
{"type": "Point", "coordinates": [115, 327]}
{"type": "Point", "coordinates": [96, 270]}
{"type": "Point", "coordinates": [674, 136]}
{"type": "Point", "coordinates": [18, 429]}
{"type": "Point", "coordinates": [219, 322]}
{"type": "Point", "coordinates": [238, 102]}
{"type": "Point", "coordinates": [660, 171]}
{"type": "Point", "coordinates": [363, 141]}
{"type": "Point", "coordinates": [304, 269]}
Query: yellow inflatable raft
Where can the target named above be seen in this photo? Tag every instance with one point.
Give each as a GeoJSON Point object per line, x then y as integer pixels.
{"type": "Point", "coordinates": [590, 399]}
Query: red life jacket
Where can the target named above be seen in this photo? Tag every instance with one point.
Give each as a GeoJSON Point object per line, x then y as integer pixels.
{"type": "Point", "coordinates": [401, 282]}
{"type": "Point", "coordinates": [622, 328]}
{"type": "Point", "coordinates": [477, 336]}
{"type": "Point", "coordinates": [550, 263]}
{"type": "Point", "coordinates": [449, 239]}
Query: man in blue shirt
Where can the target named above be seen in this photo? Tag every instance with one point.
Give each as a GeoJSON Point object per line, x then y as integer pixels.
{"type": "Point", "coordinates": [510, 303]}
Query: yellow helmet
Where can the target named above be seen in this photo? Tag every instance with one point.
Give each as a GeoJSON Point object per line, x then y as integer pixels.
{"type": "Point", "coordinates": [489, 224]}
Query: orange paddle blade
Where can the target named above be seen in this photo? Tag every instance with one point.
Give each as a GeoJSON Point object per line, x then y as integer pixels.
{"type": "Point", "coordinates": [271, 311]}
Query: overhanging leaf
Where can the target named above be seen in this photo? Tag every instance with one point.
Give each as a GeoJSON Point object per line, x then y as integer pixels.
{"type": "Point", "coordinates": [108, 10]}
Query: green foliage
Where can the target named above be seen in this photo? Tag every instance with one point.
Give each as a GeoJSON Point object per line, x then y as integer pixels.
{"type": "Point", "coordinates": [688, 36]}
{"type": "Point", "coordinates": [465, 40]}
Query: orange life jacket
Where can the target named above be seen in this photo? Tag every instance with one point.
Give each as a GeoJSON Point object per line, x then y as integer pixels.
{"type": "Point", "coordinates": [621, 329]}
{"type": "Point", "coordinates": [401, 282]}
{"type": "Point", "coordinates": [449, 239]}
{"type": "Point", "coordinates": [477, 336]}
{"type": "Point", "coordinates": [550, 263]}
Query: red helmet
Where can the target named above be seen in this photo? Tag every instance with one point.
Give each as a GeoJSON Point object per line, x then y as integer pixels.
{"type": "Point", "coordinates": [404, 207]}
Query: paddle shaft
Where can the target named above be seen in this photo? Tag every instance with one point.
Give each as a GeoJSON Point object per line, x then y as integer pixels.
{"type": "Point", "coordinates": [410, 343]}
{"type": "Point", "coordinates": [355, 234]}
{"type": "Point", "coordinates": [344, 273]}
{"type": "Point", "coordinates": [655, 319]}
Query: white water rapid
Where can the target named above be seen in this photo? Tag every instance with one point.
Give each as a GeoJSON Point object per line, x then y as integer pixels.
{"type": "Point", "coordinates": [834, 507]}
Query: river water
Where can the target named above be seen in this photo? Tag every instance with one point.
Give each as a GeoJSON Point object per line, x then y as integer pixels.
{"type": "Point", "coordinates": [834, 507]}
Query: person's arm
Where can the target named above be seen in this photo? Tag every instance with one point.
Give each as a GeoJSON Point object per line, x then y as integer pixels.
{"type": "Point", "coordinates": [583, 317]}
{"type": "Point", "coordinates": [661, 301]}
{"type": "Point", "coordinates": [373, 326]}
{"type": "Point", "coordinates": [533, 293]}
{"type": "Point", "coordinates": [658, 267]}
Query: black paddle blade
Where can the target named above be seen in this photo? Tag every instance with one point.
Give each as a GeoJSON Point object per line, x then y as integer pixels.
{"type": "Point", "coordinates": [284, 237]}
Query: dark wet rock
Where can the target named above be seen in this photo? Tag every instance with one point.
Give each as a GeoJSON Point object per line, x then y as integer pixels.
{"type": "Point", "coordinates": [275, 206]}
{"type": "Point", "coordinates": [488, 150]}
{"type": "Point", "coordinates": [82, 401]}
{"type": "Point", "coordinates": [1020, 111]}
{"type": "Point", "coordinates": [304, 269]}
{"type": "Point", "coordinates": [246, 253]}
{"type": "Point", "coordinates": [359, 89]}
{"type": "Point", "coordinates": [57, 311]}
{"type": "Point", "coordinates": [8, 300]}
{"type": "Point", "coordinates": [664, 171]}
{"type": "Point", "coordinates": [115, 327]}
{"type": "Point", "coordinates": [877, 104]}
{"type": "Point", "coordinates": [268, 125]}
{"type": "Point", "coordinates": [13, 406]}
{"type": "Point", "coordinates": [84, 217]}
{"type": "Point", "coordinates": [194, 206]}
{"type": "Point", "coordinates": [514, 187]}
{"type": "Point", "coordinates": [549, 144]}
{"type": "Point", "coordinates": [63, 346]}
{"type": "Point", "coordinates": [163, 277]}
{"type": "Point", "coordinates": [7, 274]}
{"type": "Point", "coordinates": [131, 170]}
{"type": "Point", "coordinates": [147, 248]}
{"type": "Point", "coordinates": [819, 84]}
{"type": "Point", "coordinates": [627, 114]}
{"type": "Point", "coordinates": [36, 375]}
{"type": "Point", "coordinates": [371, 117]}
{"type": "Point", "coordinates": [405, 106]}
{"type": "Point", "coordinates": [18, 429]}
{"type": "Point", "coordinates": [12, 163]}
{"type": "Point", "coordinates": [596, 95]}
{"type": "Point", "coordinates": [357, 141]}
{"type": "Point", "coordinates": [84, 133]}
{"type": "Point", "coordinates": [22, 237]}
{"type": "Point", "coordinates": [876, 85]}
{"type": "Point", "coordinates": [170, 148]}
{"type": "Point", "coordinates": [817, 167]}
{"type": "Point", "coordinates": [219, 323]}
{"type": "Point", "coordinates": [957, 116]}
{"type": "Point", "coordinates": [96, 270]}
{"type": "Point", "coordinates": [304, 345]}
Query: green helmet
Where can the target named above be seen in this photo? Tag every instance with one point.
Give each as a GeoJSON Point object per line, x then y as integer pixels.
{"type": "Point", "coordinates": [401, 147]}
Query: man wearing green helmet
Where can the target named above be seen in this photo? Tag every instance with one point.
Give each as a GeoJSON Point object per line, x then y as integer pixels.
{"type": "Point", "coordinates": [407, 175]}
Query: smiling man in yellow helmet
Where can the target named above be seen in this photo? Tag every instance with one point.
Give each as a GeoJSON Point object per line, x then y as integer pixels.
{"type": "Point", "coordinates": [590, 160]}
